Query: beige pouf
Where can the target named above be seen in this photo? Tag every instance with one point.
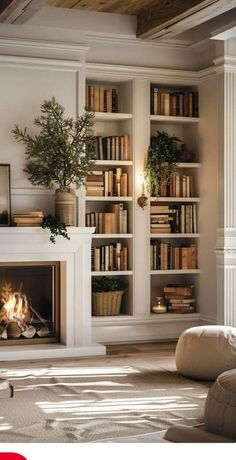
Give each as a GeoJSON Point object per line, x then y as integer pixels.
{"type": "Point", "coordinates": [220, 408]}
{"type": "Point", "coordinates": [204, 352]}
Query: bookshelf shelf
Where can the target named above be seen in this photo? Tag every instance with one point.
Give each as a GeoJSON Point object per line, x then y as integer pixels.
{"type": "Point", "coordinates": [174, 272]}
{"type": "Point", "coordinates": [175, 199]}
{"type": "Point", "coordinates": [109, 198]}
{"type": "Point", "coordinates": [188, 165]}
{"type": "Point", "coordinates": [174, 235]}
{"type": "Point", "coordinates": [112, 273]}
{"type": "Point", "coordinates": [171, 119]}
{"type": "Point", "coordinates": [108, 116]}
{"type": "Point", "coordinates": [114, 163]}
{"type": "Point", "coordinates": [112, 235]}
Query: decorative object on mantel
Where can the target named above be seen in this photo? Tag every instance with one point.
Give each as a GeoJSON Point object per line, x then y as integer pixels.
{"type": "Point", "coordinates": [27, 218]}
{"type": "Point", "coordinates": [62, 153]}
{"type": "Point", "coordinates": [161, 161]}
{"type": "Point", "coordinates": [5, 197]}
{"type": "Point", "coordinates": [107, 295]}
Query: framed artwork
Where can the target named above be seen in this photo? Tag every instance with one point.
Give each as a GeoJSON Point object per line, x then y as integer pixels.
{"type": "Point", "coordinates": [5, 196]}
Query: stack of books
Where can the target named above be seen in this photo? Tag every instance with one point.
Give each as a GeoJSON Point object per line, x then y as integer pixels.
{"type": "Point", "coordinates": [95, 184]}
{"type": "Point", "coordinates": [112, 147]}
{"type": "Point", "coordinates": [113, 182]}
{"type": "Point", "coordinates": [115, 220]}
{"type": "Point", "coordinates": [27, 218]}
{"type": "Point", "coordinates": [180, 298]}
{"type": "Point", "coordinates": [177, 103]}
{"type": "Point", "coordinates": [166, 256]}
{"type": "Point", "coordinates": [111, 257]}
{"type": "Point", "coordinates": [101, 99]}
{"type": "Point", "coordinates": [173, 219]}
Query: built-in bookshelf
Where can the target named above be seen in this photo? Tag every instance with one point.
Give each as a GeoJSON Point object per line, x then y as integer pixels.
{"type": "Point", "coordinates": [109, 187]}
{"type": "Point", "coordinates": [174, 221]}
{"type": "Point", "coordinates": [122, 141]}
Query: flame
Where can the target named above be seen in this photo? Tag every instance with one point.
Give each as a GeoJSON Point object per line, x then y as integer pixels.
{"type": "Point", "coordinates": [16, 308]}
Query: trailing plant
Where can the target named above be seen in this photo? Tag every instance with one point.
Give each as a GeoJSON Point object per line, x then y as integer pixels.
{"type": "Point", "coordinates": [161, 160]}
{"type": "Point", "coordinates": [64, 150]}
{"type": "Point", "coordinates": [56, 228]}
{"type": "Point", "coordinates": [106, 284]}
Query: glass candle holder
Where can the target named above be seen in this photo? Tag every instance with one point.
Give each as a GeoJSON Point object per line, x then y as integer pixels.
{"type": "Point", "coordinates": [160, 306]}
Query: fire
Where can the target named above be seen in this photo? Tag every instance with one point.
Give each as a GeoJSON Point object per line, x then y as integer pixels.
{"type": "Point", "coordinates": [16, 308]}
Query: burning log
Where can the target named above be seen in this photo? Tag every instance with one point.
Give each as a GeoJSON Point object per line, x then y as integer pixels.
{"type": "Point", "coordinates": [43, 332]}
{"type": "Point", "coordinates": [29, 332]}
{"type": "Point", "coordinates": [13, 331]}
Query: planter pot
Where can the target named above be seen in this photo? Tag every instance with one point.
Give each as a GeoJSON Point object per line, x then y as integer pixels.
{"type": "Point", "coordinates": [65, 206]}
{"type": "Point", "coordinates": [106, 303]}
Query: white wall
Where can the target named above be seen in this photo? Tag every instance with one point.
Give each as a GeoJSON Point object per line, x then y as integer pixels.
{"type": "Point", "coordinates": [22, 90]}
{"type": "Point", "coordinates": [208, 147]}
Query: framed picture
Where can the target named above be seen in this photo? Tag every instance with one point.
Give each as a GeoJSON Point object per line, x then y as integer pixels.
{"type": "Point", "coordinates": [5, 196]}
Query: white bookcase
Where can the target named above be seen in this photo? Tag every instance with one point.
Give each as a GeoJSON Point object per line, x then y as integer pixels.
{"type": "Point", "coordinates": [136, 322]}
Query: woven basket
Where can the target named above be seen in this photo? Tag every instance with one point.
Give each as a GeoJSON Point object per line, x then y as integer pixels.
{"type": "Point", "coordinates": [106, 303]}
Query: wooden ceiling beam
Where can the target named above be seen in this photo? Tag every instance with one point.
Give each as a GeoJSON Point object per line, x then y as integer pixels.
{"type": "Point", "coordinates": [153, 21]}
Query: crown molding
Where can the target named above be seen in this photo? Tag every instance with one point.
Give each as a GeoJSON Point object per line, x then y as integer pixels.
{"type": "Point", "coordinates": [43, 49]}
{"type": "Point", "coordinates": [95, 70]}
{"type": "Point", "coordinates": [39, 63]}
{"type": "Point", "coordinates": [225, 63]}
{"type": "Point", "coordinates": [124, 40]}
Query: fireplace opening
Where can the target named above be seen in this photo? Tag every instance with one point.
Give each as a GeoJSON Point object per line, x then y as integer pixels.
{"type": "Point", "coordinates": [29, 302]}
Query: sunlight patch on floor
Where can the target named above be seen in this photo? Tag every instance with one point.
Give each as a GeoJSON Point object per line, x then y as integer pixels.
{"type": "Point", "coordinates": [71, 372]}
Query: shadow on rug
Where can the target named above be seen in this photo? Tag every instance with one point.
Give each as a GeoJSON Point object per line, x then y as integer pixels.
{"type": "Point", "coordinates": [76, 403]}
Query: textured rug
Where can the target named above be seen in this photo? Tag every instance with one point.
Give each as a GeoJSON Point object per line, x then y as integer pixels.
{"type": "Point", "coordinates": [74, 402]}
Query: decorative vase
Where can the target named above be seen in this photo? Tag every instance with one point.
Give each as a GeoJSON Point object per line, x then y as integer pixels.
{"type": "Point", "coordinates": [160, 307]}
{"type": "Point", "coordinates": [65, 206]}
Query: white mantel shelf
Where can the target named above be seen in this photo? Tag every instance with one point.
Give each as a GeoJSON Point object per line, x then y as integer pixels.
{"type": "Point", "coordinates": [32, 244]}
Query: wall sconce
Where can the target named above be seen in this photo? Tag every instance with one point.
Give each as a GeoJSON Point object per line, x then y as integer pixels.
{"type": "Point", "coordinates": [142, 199]}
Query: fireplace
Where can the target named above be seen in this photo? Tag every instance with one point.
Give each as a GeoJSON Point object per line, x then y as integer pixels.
{"type": "Point", "coordinates": [29, 303]}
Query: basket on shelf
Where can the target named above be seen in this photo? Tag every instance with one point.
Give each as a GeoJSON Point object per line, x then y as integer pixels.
{"type": "Point", "coordinates": [107, 295]}
{"type": "Point", "coordinates": [106, 303]}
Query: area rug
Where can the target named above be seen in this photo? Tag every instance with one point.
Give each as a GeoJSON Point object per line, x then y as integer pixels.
{"type": "Point", "coordinates": [74, 402]}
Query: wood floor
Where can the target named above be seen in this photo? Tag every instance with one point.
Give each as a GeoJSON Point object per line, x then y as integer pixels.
{"type": "Point", "coordinates": [142, 351]}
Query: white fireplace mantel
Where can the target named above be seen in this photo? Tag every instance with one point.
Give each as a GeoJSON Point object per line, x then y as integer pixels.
{"type": "Point", "coordinates": [29, 244]}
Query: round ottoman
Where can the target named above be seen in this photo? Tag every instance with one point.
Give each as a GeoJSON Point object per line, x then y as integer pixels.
{"type": "Point", "coordinates": [204, 352]}
{"type": "Point", "coordinates": [220, 408]}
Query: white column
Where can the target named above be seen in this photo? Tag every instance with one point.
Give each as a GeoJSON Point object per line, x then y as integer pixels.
{"type": "Point", "coordinates": [226, 236]}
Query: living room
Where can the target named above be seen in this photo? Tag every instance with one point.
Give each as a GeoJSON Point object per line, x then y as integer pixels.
{"type": "Point", "coordinates": [117, 248]}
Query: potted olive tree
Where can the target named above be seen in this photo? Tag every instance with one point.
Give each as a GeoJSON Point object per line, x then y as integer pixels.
{"type": "Point", "coordinates": [61, 155]}
{"type": "Point", "coordinates": [161, 162]}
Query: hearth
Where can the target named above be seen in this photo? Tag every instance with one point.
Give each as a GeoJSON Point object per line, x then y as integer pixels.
{"type": "Point", "coordinates": [29, 302]}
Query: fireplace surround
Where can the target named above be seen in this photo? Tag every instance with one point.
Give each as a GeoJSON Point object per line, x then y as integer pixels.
{"type": "Point", "coordinates": [57, 314]}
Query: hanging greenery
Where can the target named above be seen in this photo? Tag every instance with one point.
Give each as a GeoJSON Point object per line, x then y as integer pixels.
{"type": "Point", "coordinates": [161, 161]}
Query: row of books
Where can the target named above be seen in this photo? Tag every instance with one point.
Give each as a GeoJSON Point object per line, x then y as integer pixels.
{"type": "Point", "coordinates": [167, 256]}
{"type": "Point", "coordinates": [113, 182]}
{"type": "Point", "coordinates": [180, 298]}
{"type": "Point", "coordinates": [27, 218]}
{"type": "Point", "coordinates": [173, 218]}
{"type": "Point", "coordinates": [177, 103]}
{"type": "Point", "coordinates": [112, 147]}
{"type": "Point", "coordinates": [178, 185]}
{"type": "Point", "coordinates": [111, 257]}
{"type": "Point", "coordinates": [101, 99]}
{"type": "Point", "coordinates": [113, 221]}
